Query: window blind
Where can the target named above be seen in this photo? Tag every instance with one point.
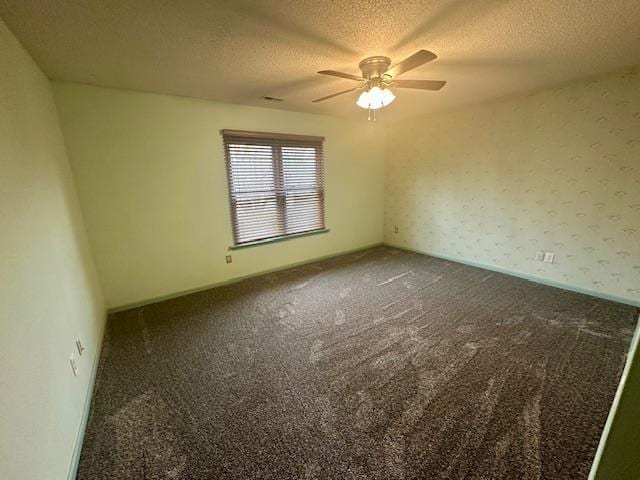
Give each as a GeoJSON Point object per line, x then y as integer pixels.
{"type": "Point", "coordinates": [276, 184]}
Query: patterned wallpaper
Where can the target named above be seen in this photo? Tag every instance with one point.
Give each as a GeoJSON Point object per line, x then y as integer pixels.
{"type": "Point", "coordinates": [556, 171]}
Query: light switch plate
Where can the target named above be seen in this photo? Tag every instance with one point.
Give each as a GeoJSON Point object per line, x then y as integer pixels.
{"type": "Point", "coordinates": [540, 256]}
{"type": "Point", "coordinates": [549, 257]}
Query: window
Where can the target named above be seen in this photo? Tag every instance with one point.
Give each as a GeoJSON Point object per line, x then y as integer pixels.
{"type": "Point", "coordinates": [276, 184]}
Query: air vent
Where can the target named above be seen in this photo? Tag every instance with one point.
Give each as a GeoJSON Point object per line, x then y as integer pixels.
{"type": "Point", "coordinates": [273, 99]}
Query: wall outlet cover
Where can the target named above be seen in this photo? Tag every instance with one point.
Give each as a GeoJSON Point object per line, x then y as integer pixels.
{"type": "Point", "coordinates": [540, 256]}
{"type": "Point", "coordinates": [74, 365]}
{"type": "Point", "coordinates": [549, 257]}
{"type": "Point", "coordinates": [79, 347]}
{"type": "Point", "coordinates": [228, 259]}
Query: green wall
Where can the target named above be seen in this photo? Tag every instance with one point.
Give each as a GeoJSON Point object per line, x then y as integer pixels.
{"type": "Point", "coordinates": [620, 458]}
{"type": "Point", "coordinates": [49, 293]}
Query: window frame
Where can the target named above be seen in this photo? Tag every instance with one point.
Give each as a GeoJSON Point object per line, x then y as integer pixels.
{"type": "Point", "coordinates": [277, 141]}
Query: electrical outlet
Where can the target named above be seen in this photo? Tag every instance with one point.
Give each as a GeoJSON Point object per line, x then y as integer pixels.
{"type": "Point", "coordinates": [74, 365]}
{"type": "Point", "coordinates": [549, 257]}
{"type": "Point", "coordinates": [395, 229]}
{"type": "Point", "coordinates": [540, 256]}
{"type": "Point", "coordinates": [79, 347]}
{"type": "Point", "coordinates": [228, 259]}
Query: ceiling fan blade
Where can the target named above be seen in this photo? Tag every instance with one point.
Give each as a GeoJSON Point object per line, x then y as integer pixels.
{"type": "Point", "coordinates": [419, 58]}
{"type": "Point", "coordinates": [341, 75]}
{"type": "Point", "coordinates": [420, 84]}
{"type": "Point", "coordinates": [334, 95]}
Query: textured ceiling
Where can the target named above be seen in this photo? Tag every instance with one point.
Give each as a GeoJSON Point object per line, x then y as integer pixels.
{"type": "Point", "coordinates": [241, 50]}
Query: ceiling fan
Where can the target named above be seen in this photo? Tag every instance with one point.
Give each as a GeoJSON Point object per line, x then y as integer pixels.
{"type": "Point", "coordinates": [377, 77]}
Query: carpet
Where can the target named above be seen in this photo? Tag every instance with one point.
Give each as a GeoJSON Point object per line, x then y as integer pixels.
{"type": "Point", "coordinates": [382, 364]}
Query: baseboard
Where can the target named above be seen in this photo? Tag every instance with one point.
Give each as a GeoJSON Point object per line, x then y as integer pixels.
{"type": "Point", "coordinates": [77, 447]}
{"type": "Point", "coordinates": [616, 401]}
{"type": "Point", "coordinates": [230, 281]}
{"type": "Point", "coordinates": [525, 276]}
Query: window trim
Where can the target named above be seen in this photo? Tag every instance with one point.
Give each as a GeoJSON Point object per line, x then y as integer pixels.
{"type": "Point", "coordinates": [277, 239]}
{"type": "Point", "coordinates": [274, 139]}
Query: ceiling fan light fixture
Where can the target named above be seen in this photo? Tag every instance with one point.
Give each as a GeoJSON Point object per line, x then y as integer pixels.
{"type": "Point", "coordinates": [387, 97]}
{"type": "Point", "coordinates": [375, 98]}
{"type": "Point", "coordinates": [363, 100]}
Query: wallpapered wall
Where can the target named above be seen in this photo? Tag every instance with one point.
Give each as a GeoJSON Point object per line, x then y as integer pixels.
{"type": "Point", "coordinates": [557, 171]}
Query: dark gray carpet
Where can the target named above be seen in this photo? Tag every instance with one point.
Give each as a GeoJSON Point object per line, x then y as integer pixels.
{"type": "Point", "coordinates": [382, 364]}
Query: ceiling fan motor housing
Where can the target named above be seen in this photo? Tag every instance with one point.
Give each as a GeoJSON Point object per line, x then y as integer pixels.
{"type": "Point", "coordinates": [374, 67]}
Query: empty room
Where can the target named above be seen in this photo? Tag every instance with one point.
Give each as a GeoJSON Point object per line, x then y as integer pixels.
{"type": "Point", "coordinates": [346, 240]}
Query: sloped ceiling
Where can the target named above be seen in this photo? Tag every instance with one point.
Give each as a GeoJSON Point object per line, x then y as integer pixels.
{"type": "Point", "coordinates": [238, 51]}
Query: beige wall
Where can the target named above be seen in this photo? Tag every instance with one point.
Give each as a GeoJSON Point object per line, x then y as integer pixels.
{"type": "Point", "coordinates": [557, 171]}
{"type": "Point", "coordinates": [151, 179]}
{"type": "Point", "coordinates": [49, 294]}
